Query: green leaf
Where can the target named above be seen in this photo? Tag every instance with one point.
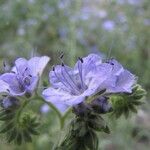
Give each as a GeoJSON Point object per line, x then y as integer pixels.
{"type": "Point", "coordinates": [7, 127]}
{"type": "Point", "coordinates": [106, 130]}
{"type": "Point", "coordinates": [97, 123]}
{"type": "Point", "coordinates": [19, 138]}
{"type": "Point", "coordinates": [12, 135]}
{"type": "Point", "coordinates": [90, 140]}
{"type": "Point", "coordinates": [132, 108]}
{"type": "Point", "coordinates": [26, 136]}
{"type": "Point", "coordinates": [7, 116]}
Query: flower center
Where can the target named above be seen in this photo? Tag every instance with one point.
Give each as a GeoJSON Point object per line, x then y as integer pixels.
{"type": "Point", "coordinates": [68, 78]}
{"type": "Point", "coordinates": [24, 79]}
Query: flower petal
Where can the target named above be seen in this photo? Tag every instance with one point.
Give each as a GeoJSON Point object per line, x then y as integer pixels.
{"type": "Point", "coordinates": [64, 77]}
{"type": "Point", "coordinates": [58, 96]}
{"type": "Point", "coordinates": [117, 67]}
{"type": "Point", "coordinates": [89, 63]}
{"type": "Point", "coordinates": [124, 82]}
{"type": "Point", "coordinates": [37, 65]}
{"type": "Point", "coordinates": [20, 66]}
{"type": "Point", "coordinates": [14, 87]}
{"type": "Point", "coordinates": [33, 85]}
{"type": "Point", "coordinates": [3, 87]}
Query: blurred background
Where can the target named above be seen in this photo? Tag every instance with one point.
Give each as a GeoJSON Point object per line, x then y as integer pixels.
{"type": "Point", "coordinates": [77, 28]}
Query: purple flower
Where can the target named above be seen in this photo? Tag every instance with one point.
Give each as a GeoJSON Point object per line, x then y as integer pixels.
{"type": "Point", "coordinates": [101, 105]}
{"type": "Point", "coordinates": [71, 86]}
{"type": "Point", "coordinates": [24, 77]}
{"type": "Point", "coordinates": [44, 109]}
{"type": "Point", "coordinates": [9, 102]}
{"type": "Point", "coordinates": [108, 25]}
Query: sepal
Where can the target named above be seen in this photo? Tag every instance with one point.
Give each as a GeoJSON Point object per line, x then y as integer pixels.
{"type": "Point", "coordinates": [125, 103]}
{"type": "Point", "coordinates": [82, 134]}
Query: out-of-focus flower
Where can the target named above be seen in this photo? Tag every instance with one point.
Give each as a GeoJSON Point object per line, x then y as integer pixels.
{"type": "Point", "coordinates": [101, 105]}
{"type": "Point", "coordinates": [45, 108]}
{"type": "Point", "coordinates": [21, 31]}
{"type": "Point", "coordinates": [24, 77]}
{"type": "Point", "coordinates": [9, 102]}
{"type": "Point", "coordinates": [71, 86]}
{"type": "Point", "coordinates": [118, 79]}
{"type": "Point", "coordinates": [31, 1]}
{"type": "Point", "coordinates": [108, 25]}
{"type": "Point", "coordinates": [147, 22]}
{"type": "Point", "coordinates": [102, 13]}
{"type": "Point", "coordinates": [63, 32]}
{"type": "Point", "coordinates": [134, 2]}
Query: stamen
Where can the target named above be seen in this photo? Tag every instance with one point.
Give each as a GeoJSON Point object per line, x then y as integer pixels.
{"type": "Point", "coordinates": [4, 64]}
{"type": "Point", "coordinates": [8, 90]}
{"type": "Point", "coordinates": [13, 72]}
{"type": "Point", "coordinates": [26, 69]}
{"type": "Point", "coordinates": [59, 77]}
{"type": "Point", "coordinates": [81, 59]}
{"type": "Point", "coordinates": [53, 68]}
{"type": "Point", "coordinates": [30, 75]}
{"type": "Point", "coordinates": [109, 61]}
{"type": "Point", "coordinates": [27, 81]}
{"type": "Point", "coordinates": [61, 56]}
{"type": "Point", "coordinates": [69, 79]}
{"type": "Point", "coordinates": [80, 73]}
{"type": "Point", "coordinates": [62, 64]}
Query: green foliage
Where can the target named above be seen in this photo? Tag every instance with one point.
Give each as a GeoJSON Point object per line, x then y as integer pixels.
{"type": "Point", "coordinates": [82, 133]}
{"type": "Point", "coordinates": [17, 127]}
{"type": "Point", "coordinates": [33, 27]}
{"type": "Point", "coordinates": [124, 103]}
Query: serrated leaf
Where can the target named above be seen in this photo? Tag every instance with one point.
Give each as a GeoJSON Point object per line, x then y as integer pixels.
{"type": "Point", "coordinates": [19, 138]}
{"type": "Point", "coordinates": [106, 130]}
{"type": "Point", "coordinates": [137, 103]}
{"type": "Point", "coordinates": [12, 135]}
{"type": "Point", "coordinates": [132, 108]}
{"type": "Point", "coordinates": [97, 123]}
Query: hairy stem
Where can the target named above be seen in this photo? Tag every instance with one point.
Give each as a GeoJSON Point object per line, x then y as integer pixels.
{"type": "Point", "coordinates": [25, 102]}
{"type": "Point", "coordinates": [61, 118]}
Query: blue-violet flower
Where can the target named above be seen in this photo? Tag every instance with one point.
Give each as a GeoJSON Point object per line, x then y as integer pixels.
{"type": "Point", "coordinates": [24, 77]}
{"type": "Point", "coordinates": [71, 86]}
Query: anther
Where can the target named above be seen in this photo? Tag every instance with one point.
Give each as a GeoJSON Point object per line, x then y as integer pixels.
{"type": "Point", "coordinates": [13, 72]}
{"type": "Point", "coordinates": [61, 56]}
{"type": "Point", "coordinates": [26, 69]}
{"type": "Point", "coordinates": [8, 90]}
{"type": "Point", "coordinates": [53, 68]}
{"type": "Point", "coordinates": [4, 64]}
{"type": "Point", "coordinates": [81, 59]}
{"type": "Point", "coordinates": [111, 63]}
{"type": "Point", "coordinates": [62, 64]}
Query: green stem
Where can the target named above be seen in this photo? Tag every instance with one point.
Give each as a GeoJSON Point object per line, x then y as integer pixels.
{"type": "Point", "coordinates": [21, 109]}
{"type": "Point", "coordinates": [61, 118]}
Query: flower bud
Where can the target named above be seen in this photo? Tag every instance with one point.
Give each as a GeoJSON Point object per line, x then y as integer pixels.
{"type": "Point", "coordinates": [101, 105]}
{"type": "Point", "coordinates": [10, 102]}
